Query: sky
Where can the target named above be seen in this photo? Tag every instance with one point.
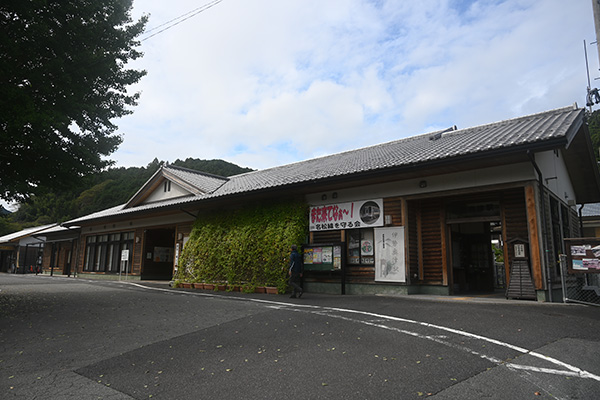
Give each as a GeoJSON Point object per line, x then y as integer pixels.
{"type": "Point", "coordinates": [263, 83]}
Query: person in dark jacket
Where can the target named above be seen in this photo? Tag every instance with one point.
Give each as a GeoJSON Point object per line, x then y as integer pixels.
{"type": "Point", "coordinates": [295, 272]}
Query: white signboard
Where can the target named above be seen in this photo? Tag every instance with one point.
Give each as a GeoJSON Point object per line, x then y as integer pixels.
{"type": "Point", "coordinates": [355, 214]}
{"type": "Point", "coordinates": [389, 255]}
{"type": "Point", "coordinates": [125, 255]}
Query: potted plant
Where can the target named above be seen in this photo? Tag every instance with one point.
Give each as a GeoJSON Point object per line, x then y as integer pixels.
{"type": "Point", "coordinates": [271, 290]}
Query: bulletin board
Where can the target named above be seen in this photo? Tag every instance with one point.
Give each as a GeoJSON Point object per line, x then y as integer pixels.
{"type": "Point", "coordinates": [322, 257]}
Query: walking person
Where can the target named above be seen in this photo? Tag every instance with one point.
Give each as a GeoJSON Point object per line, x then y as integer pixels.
{"type": "Point", "coordinates": [295, 272]}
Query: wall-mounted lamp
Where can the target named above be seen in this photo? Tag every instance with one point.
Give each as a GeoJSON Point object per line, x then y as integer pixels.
{"type": "Point", "coordinates": [324, 197]}
{"type": "Point", "coordinates": [334, 195]}
{"type": "Point", "coordinates": [137, 239]}
{"type": "Point", "coordinates": [179, 236]}
{"type": "Point", "coordinates": [423, 184]}
{"type": "Point", "coordinates": [388, 219]}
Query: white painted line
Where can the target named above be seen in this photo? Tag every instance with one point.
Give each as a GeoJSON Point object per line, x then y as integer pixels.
{"type": "Point", "coordinates": [575, 371]}
{"type": "Point", "coordinates": [544, 370]}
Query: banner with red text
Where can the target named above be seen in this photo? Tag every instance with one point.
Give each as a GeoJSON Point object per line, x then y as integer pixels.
{"type": "Point", "coordinates": [350, 215]}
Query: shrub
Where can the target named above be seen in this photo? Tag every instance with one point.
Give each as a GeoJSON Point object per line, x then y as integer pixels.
{"type": "Point", "coordinates": [248, 246]}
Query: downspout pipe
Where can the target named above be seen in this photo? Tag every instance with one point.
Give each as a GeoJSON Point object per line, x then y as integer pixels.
{"type": "Point", "coordinates": [544, 223]}
{"type": "Point", "coordinates": [580, 212]}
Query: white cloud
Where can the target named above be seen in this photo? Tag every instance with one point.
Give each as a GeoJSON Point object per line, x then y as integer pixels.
{"type": "Point", "coordinates": [264, 83]}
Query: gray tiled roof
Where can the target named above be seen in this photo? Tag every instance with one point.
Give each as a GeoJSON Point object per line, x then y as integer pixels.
{"type": "Point", "coordinates": [413, 151]}
{"type": "Point", "coordinates": [206, 183]}
{"type": "Point", "coordinates": [15, 236]}
{"type": "Point", "coordinates": [591, 210]}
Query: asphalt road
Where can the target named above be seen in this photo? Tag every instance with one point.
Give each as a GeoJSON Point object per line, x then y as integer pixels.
{"type": "Point", "coordinates": [67, 338]}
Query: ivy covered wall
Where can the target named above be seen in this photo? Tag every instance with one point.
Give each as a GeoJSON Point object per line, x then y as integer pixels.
{"type": "Point", "coordinates": [248, 247]}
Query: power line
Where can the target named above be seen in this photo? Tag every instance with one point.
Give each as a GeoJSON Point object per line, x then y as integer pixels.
{"type": "Point", "coordinates": [180, 19]}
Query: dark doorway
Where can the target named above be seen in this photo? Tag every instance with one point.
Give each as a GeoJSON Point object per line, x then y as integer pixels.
{"type": "Point", "coordinates": [158, 253]}
{"type": "Point", "coordinates": [473, 261]}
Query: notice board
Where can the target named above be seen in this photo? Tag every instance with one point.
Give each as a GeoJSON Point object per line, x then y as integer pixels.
{"type": "Point", "coordinates": [322, 257]}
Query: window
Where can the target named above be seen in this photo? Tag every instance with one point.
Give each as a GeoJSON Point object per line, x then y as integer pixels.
{"type": "Point", "coordinates": [361, 247]}
{"type": "Point", "coordinates": [463, 210]}
{"type": "Point", "coordinates": [167, 186]}
{"type": "Point", "coordinates": [103, 252]}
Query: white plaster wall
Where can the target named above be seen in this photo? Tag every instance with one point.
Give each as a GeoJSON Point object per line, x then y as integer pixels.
{"type": "Point", "coordinates": [555, 175]}
{"type": "Point", "coordinates": [159, 194]}
{"type": "Point", "coordinates": [460, 180]}
{"type": "Point", "coordinates": [139, 223]}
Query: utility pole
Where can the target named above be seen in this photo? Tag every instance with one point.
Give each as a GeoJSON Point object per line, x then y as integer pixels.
{"type": "Point", "coordinates": [596, 8]}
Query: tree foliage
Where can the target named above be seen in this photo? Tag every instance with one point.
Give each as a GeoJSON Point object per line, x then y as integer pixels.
{"type": "Point", "coordinates": [62, 81]}
{"type": "Point", "coordinates": [215, 167]}
{"type": "Point", "coordinates": [593, 120]}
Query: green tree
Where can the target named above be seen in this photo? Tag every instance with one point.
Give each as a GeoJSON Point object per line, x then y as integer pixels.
{"type": "Point", "coordinates": [593, 120]}
{"type": "Point", "coordinates": [62, 81]}
{"type": "Point", "coordinates": [215, 167]}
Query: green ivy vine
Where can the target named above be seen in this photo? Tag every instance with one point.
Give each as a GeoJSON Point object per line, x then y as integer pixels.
{"type": "Point", "coordinates": [248, 247]}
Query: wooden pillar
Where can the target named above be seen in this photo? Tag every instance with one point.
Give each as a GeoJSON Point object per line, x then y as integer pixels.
{"type": "Point", "coordinates": [444, 237]}
{"type": "Point", "coordinates": [534, 238]}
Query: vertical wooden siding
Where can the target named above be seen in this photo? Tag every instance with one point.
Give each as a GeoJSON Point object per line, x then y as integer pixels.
{"type": "Point", "coordinates": [514, 223]}
{"type": "Point", "coordinates": [427, 241]}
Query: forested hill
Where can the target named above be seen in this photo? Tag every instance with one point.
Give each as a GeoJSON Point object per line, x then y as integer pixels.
{"type": "Point", "coordinates": [100, 191]}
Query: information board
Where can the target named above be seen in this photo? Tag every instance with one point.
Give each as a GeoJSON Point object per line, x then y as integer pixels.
{"type": "Point", "coordinates": [322, 257]}
{"type": "Point", "coordinates": [583, 255]}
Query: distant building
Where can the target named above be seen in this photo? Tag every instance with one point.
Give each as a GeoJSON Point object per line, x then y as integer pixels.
{"type": "Point", "coordinates": [21, 252]}
{"type": "Point", "coordinates": [590, 220]}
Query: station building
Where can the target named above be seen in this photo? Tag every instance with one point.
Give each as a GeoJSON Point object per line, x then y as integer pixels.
{"type": "Point", "coordinates": [447, 212]}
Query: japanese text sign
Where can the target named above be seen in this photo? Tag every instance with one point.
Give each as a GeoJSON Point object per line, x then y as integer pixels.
{"type": "Point", "coordinates": [350, 215]}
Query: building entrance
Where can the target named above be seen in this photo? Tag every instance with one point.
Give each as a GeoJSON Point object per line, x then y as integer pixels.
{"type": "Point", "coordinates": [157, 257]}
{"type": "Point", "coordinates": [474, 266]}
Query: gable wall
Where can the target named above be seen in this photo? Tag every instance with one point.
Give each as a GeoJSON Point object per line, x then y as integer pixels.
{"type": "Point", "coordinates": [159, 193]}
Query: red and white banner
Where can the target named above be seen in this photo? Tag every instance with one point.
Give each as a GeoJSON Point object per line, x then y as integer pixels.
{"type": "Point", "coordinates": [351, 215]}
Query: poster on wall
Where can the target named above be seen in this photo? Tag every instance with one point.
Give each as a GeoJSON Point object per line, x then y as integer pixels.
{"type": "Point", "coordinates": [389, 255]}
{"type": "Point", "coordinates": [308, 255]}
{"type": "Point", "coordinates": [322, 257]}
{"type": "Point", "coordinates": [354, 214]}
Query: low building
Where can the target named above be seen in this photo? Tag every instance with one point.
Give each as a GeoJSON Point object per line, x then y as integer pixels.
{"type": "Point", "coordinates": [22, 251]}
{"type": "Point", "coordinates": [444, 213]}
{"type": "Point", "coordinates": [60, 249]}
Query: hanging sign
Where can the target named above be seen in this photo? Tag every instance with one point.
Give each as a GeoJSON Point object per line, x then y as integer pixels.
{"type": "Point", "coordinates": [355, 214]}
{"type": "Point", "coordinates": [390, 265]}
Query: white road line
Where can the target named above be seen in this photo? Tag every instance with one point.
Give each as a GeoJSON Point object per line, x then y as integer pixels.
{"type": "Point", "coordinates": [574, 371]}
